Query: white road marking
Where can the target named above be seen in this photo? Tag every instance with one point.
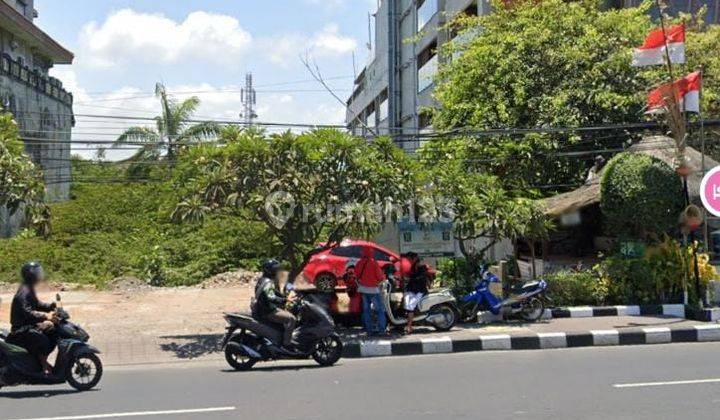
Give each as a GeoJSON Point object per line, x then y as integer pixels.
{"type": "Point", "coordinates": [138, 414]}
{"type": "Point", "coordinates": [648, 384]}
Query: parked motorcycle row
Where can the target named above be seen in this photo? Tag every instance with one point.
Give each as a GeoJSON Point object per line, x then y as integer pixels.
{"type": "Point", "coordinates": [249, 340]}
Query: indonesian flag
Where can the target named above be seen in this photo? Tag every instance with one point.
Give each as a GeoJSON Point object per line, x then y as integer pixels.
{"type": "Point", "coordinates": [686, 92]}
{"type": "Point", "coordinates": [652, 52]}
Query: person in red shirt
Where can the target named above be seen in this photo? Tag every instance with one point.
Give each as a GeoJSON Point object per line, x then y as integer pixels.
{"type": "Point", "coordinates": [369, 276]}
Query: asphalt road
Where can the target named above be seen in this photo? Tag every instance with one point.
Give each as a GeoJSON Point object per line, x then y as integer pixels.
{"type": "Point", "coordinates": [639, 382]}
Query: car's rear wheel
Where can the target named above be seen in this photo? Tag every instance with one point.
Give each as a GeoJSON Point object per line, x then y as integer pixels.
{"type": "Point", "coordinates": [325, 282]}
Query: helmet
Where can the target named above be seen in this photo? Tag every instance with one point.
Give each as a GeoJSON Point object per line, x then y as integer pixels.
{"type": "Point", "coordinates": [32, 273]}
{"type": "Point", "coordinates": [270, 268]}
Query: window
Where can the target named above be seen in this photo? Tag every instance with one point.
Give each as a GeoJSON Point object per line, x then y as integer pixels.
{"type": "Point", "coordinates": [354, 251]}
{"type": "Point", "coordinates": [383, 107]}
{"type": "Point", "coordinates": [382, 256]}
{"type": "Point", "coordinates": [427, 63]}
{"type": "Point", "coordinates": [21, 6]}
{"type": "Point", "coordinates": [372, 120]}
{"type": "Point", "coordinates": [426, 9]}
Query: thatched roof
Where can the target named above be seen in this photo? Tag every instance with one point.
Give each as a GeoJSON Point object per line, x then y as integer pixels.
{"type": "Point", "coordinates": [660, 147]}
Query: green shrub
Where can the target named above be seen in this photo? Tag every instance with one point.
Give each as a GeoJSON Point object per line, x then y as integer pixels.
{"type": "Point", "coordinates": [456, 274]}
{"type": "Point", "coordinates": [109, 231]}
{"type": "Point", "coordinates": [640, 195]}
{"type": "Point", "coordinates": [570, 288]}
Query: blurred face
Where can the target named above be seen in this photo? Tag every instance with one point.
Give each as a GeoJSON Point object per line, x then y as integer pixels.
{"type": "Point", "coordinates": [41, 276]}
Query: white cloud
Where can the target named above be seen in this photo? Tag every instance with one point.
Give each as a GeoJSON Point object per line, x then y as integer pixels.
{"type": "Point", "coordinates": [217, 103]}
{"type": "Point", "coordinates": [128, 35]}
{"type": "Point", "coordinates": [328, 42]}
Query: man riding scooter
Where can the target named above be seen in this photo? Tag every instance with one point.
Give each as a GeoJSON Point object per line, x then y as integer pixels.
{"type": "Point", "coordinates": [270, 301]}
{"type": "Point", "coordinates": [33, 321]}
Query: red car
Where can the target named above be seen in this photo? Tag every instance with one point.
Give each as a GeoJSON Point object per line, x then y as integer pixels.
{"type": "Point", "coordinates": [326, 269]}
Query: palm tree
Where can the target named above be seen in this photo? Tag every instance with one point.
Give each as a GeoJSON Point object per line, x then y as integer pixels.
{"type": "Point", "coordinates": [172, 131]}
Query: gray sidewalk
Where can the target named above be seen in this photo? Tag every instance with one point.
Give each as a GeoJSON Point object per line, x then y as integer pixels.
{"type": "Point", "coordinates": [202, 347]}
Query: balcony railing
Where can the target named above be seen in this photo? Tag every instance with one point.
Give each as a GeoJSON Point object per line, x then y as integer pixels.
{"type": "Point", "coordinates": [50, 86]}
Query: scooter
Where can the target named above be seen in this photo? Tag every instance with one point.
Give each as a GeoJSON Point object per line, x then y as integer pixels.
{"type": "Point", "coordinates": [529, 303]}
{"type": "Point", "coordinates": [438, 309]}
{"type": "Point", "coordinates": [259, 341]}
{"type": "Point", "coordinates": [77, 362]}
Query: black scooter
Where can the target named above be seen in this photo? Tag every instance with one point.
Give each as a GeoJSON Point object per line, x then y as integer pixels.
{"type": "Point", "coordinates": [77, 362]}
{"type": "Point", "coordinates": [260, 341]}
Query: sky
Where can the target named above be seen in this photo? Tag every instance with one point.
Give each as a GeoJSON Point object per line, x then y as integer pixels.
{"type": "Point", "coordinates": [204, 48]}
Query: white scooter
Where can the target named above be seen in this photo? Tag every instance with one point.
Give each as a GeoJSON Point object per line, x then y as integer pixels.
{"type": "Point", "coordinates": [438, 308]}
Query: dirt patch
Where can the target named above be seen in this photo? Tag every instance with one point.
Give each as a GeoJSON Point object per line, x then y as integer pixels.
{"type": "Point", "coordinates": [127, 284]}
{"type": "Point", "coordinates": [51, 287]}
{"type": "Point", "coordinates": [230, 279]}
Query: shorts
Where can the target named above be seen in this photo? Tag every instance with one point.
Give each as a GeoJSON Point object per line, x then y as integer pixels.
{"type": "Point", "coordinates": [412, 300]}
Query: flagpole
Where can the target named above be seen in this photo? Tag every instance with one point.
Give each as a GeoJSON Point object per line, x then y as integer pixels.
{"type": "Point", "coordinates": [704, 172]}
{"type": "Point", "coordinates": [668, 61]}
{"type": "Point", "coordinates": [681, 112]}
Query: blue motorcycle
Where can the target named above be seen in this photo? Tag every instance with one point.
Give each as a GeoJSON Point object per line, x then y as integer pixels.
{"type": "Point", "coordinates": [528, 302]}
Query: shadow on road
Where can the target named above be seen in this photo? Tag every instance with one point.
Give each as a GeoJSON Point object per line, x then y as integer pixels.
{"type": "Point", "coordinates": [277, 368]}
{"type": "Point", "coordinates": [37, 394]}
{"type": "Point", "coordinates": [192, 346]}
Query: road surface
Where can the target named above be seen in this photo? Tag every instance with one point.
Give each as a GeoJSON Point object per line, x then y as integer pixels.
{"type": "Point", "coordinates": [638, 382]}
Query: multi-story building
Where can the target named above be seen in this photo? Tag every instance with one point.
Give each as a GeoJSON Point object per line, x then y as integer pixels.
{"type": "Point", "coordinates": [396, 85]}
{"type": "Point", "coordinates": [40, 105]}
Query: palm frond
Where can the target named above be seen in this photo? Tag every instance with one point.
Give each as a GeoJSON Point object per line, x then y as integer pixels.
{"type": "Point", "coordinates": [185, 110]}
{"type": "Point", "coordinates": [200, 132]}
{"type": "Point", "coordinates": [138, 134]}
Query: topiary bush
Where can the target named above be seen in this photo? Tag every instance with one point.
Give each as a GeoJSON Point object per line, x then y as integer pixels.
{"type": "Point", "coordinates": [640, 195]}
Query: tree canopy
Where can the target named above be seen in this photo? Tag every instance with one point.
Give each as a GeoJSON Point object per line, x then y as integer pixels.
{"type": "Point", "coordinates": [312, 189]}
{"type": "Point", "coordinates": [553, 63]}
{"type": "Point", "coordinates": [21, 184]}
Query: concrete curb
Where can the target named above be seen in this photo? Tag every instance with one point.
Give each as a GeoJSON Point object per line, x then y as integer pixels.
{"type": "Point", "coordinates": [673, 310]}
{"type": "Point", "coordinates": [555, 340]}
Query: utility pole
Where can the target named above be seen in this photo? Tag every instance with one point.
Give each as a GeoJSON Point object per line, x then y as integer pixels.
{"type": "Point", "coordinates": [248, 96]}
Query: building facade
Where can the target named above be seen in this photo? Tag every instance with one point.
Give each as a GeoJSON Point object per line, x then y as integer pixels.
{"type": "Point", "coordinates": [40, 105]}
{"type": "Point", "coordinates": [396, 85]}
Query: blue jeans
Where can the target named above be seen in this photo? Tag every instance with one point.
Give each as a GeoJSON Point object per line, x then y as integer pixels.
{"type": "Point", "coordinates": [377, 306]}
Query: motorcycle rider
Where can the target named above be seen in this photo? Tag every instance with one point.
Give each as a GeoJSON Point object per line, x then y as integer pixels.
{"type": "Point", "coordinates": [270, 301]}
{"type": "Point", "coordinates": [33, 321]}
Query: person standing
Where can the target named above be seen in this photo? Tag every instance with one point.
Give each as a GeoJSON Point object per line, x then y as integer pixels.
{"type": "Point", "coordinates": [416, 289]}
{"type": "Point", "coordinates": [369, 276]}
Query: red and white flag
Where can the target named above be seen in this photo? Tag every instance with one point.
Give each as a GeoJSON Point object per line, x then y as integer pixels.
{"type": "Point", "coordinates": [686, 91]}
{"type": "Point", "coordinates": [652, 52]}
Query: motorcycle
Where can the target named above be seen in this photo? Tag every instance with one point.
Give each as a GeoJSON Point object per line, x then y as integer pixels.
{"type": "Point", "coordinates": [529, 302]}
{"type": "Point", "coordinates": [258, 341]}
{"type": "Point", "coordinates": [77, 363]}
{"type": "Point", "coordinates": [438, 309]}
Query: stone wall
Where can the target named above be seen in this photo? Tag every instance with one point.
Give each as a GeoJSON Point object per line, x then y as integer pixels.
{"type": "Point", "coordinates": [43, 111]}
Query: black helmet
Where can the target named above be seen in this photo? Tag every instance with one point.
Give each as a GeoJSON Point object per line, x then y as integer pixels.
{"type": "Point", "coordinates": [270, 268]}
{"type": "Point", "coordinates": [31, 273]}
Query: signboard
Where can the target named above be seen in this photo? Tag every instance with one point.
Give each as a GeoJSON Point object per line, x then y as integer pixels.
{"type": "Point", "coordinates": [632, 249]}
{"type": "Point", "coordinates": [710, 191]}
{"type": "Point", "coordinates": [431, 240]}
